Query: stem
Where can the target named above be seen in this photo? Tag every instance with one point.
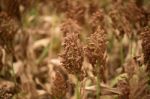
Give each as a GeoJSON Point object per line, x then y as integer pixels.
{"type": "Point", "coordinates": [98, 80]}
{"type": "Point", "coordinates": [78, 90]}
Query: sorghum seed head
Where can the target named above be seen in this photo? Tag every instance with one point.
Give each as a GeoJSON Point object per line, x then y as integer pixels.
{"type": "Point", "coordinates": [1, 57]}
{"type": "Point", "coordinates": [59, 86]}
{"type": "Point", "coordinates": [8, 29]}
{"type": "Point", "coordinates": [5, 93]}
{"type": "Point", "coordinates": [123, 86]}
{"type": "Point", "coordinates": [127, 16]}
{"type": "Point", "coordinates": [60, 5]}
{"type": "Point", "coordinates": [96, 47]}
{"type": "Point", "coordinates": [145, 35]}
{"type": "Point", "coordinates": [97, 19]}
{"type": "Point", "coordinates": [72, 57]}
{"type": "Point", "coordinates": [95, 53]}
{"type": "Point", "coordinates": [11, 8]}
{"type": "Point", "coordinates": [77, 12]}
{"type": "Point", "coordinates": [70, 26]}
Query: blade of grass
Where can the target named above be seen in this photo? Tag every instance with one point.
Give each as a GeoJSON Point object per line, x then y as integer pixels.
{"type": "Point", "coordinates": [43, 54]}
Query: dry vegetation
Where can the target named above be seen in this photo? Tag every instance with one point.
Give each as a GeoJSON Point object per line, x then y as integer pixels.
{"type": "Point", "coordinates": [74, 49]}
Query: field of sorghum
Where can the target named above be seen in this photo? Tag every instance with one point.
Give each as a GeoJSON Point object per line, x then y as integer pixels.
{"type": "Point", "coordinates": [74, 49]}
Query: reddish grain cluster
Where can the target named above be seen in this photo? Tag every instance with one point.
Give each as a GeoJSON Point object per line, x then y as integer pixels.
{"type": "Point", "coordinates": [146, 45]}
{"type": "Point", "coordinates": [72, 57]}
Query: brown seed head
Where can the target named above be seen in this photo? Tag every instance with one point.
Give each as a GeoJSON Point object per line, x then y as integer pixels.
{"type": "Point", "coordinates": [95, 51]}
{"type": "Point", "coordinates": [59, 86]}
{"type": "Point", "coordinates": [60, 5]}
{"type": "Point", "coordinates": [96, 47]}
{"type": "Point", "coordinates": [97, 19]}
{"type": "Point", "coordinates": [93, 6]}
{"type": "Point", "coordinates": [130, 67]}
{"type": "Point", "coordinates": [72, 56]}
{"type": "Point", "coordinates": [120, 23]}
{"type": "Point", "coordinates": [1, 57]}
{"type": "Point", "coordinates": [8, 29]}
{"type": "Point", "coordinates": [127, 16]}
{"type": "Point", "coordinates": [145, 35]}
{"type": "Point", "coordinates": [123, 85]}
{"type": "Point", "coordinates": [11, 8]}
{"type": "Point", "coordinates": [77, 12]}
{"type": "Point", "coordinates": [70, 26]}
{"type": "Point", "coordinates": [5, 93]}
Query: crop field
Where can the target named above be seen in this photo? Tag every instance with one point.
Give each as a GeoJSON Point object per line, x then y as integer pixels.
{"type": "Point", "coordinates": [74, 49]}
